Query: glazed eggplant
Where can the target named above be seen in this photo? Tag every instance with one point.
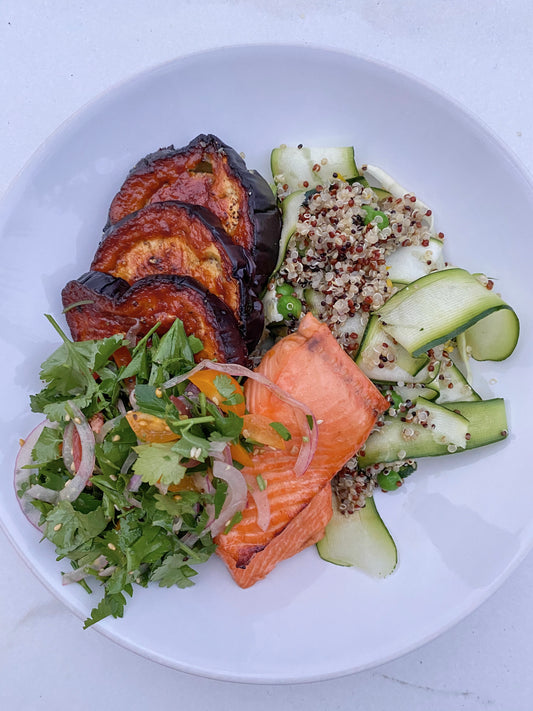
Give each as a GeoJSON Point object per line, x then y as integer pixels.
{"type": "Point", "coordinates": [177, 238]}
{"type": "Point", "coordinates": [207, 172]}
{"type": "Point", "coordinates": [98, 305]}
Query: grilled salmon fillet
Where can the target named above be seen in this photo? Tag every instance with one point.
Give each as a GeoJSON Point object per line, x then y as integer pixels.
{"type": "Point", "coordinates": [313, 368]}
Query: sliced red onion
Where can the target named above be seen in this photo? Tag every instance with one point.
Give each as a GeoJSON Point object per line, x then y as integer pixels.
{"type": "Point", "coordinates": [190, 463]}
{"type": "Point", "coordinates": [99, 563]}
{"type": "Point", "coordinates": [309, 434]}
{"type": "Point", "coordinates": [220, 451]}
{"type": "Point", "coordinates": [132, 334]}
{"type": "Point", "coordinates": [262, 503]}
{"type": "Point", "coordinates": [106, 572]}
{"type": "Point", "coordinates": [124, 469]}
{"type": "Point", "coordinates": [121, 407]}
{"type": "Point", "coordinates": [176, 526]}
{"type": "Point", "coordinates": [189, 539]}
{"type": "Point", "coordinates": [68, 447]}
{"type": "Point", "coordinates": [21, 475]}
{"type": "Point", "coordinates": [181, 405]}
{"type": "Point", "coordinates": [134, 483]}
{"type": "Point", "coordinates": [74, 576]}
{"type": "Point", "coordinates": [162, 488]}
{"type": "Point", "coordinates": [42, 493]}
{"type": "Point", "coordinates": [236, 495]}
{"type": "Point", "coordinates": [191, 391]}
{"type": "Point", "coordinates": [203, 483]}
{"type": "Point", "coordinates": [106, 428]}
{"type": "Point", "coordinates": [133, 400]}
{"type": "Point", "coordinates": [75, 486]}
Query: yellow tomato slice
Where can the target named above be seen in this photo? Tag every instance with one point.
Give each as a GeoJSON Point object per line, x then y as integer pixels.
{"type": "Point", "coordinates": [186, 484]}
{"type": "Point", "coordinates": [258, 428]}
{"type": "Point", "coordinates": [239, 454]}
{"type": "Point", "coordinates": [205, 382]}
{"type": "Point", "coordinates": [150, 428]}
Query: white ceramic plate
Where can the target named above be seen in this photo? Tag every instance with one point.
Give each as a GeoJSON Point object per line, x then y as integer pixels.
{"type": "Point", "coordinates": [461, 523]}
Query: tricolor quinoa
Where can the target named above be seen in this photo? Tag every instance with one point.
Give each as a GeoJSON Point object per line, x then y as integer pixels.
{"type": "Point", "coordinates": [336, 261]}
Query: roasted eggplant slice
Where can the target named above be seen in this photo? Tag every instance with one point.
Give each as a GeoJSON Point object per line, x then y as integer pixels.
{"type": "Point", "coordinates": [208, 172]}
{"type": "Point", "coordinates": [177, 238]}
{"type": "Point", "coordinates": [98, 305]}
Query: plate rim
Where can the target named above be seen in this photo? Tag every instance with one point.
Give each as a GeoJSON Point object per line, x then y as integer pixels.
{"type": "Point", "coordinates": [69, 122]}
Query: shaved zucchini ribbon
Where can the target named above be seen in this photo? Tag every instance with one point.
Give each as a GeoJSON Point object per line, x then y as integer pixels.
{"type": "Point", "coordinates": [439, 306]}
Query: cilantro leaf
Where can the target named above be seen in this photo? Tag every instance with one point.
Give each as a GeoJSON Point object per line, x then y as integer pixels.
{"type": "Point", "coordinates": [68, 529]}
{"type": "Point", "coordinates": [47, 446]}
{"type": "Point", "coordinates": [147, 401]}
{"type": "Point", "coordinates": [158, 463]}
{"type": "Point", "coordinates": [150, 547]}
{"type": "Point", "coordinates": [177, 504]}
{"type": "Point", "coordinates": [174, 571]}
{"type": "Point", "coordinates": [226, 427]}
{"type": "Point", "coordinates": [226, 387]}
{"type": "Point", "coordinates": [110, 605]}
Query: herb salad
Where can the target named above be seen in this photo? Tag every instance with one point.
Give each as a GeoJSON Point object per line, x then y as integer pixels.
{"type": "Point", "coordinates": [153, 503]}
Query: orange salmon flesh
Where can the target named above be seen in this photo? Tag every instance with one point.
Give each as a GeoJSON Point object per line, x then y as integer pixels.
{"type": "Point", "coordinates": [311, 366]}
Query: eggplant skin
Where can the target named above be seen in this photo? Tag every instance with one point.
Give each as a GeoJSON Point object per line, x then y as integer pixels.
{"type": "Point", "coordinates": [177, 238]}
{"type": "Point", "coordinates": [210, 173]}
{"type": "Point", "coordinates": [99, 305]}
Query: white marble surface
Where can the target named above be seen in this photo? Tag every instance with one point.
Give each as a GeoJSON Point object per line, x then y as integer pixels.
{"type": "Point", "coordinates": [57, 55]}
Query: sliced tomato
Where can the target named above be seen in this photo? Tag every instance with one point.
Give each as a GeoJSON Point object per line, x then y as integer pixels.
{"type": "Point", "coordinates": [186, 484]}
{"type": "Point", "coordinates": [259, 429]}
{"type": "Point", "coordinates": [150, 428]}
{"type": "Point", "coordinates": [76, 449]}
{"type": "Point", "coordinates": [239, 454]}
{"type": "Point", "coordinates": [205, 382]}
{"type": "Point", "coordinates": [122, 356]}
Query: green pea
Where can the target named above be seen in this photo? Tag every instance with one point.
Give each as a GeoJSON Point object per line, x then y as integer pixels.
{"type": "Point", "coordinates": [289, 306]}
{"type": "Point", "coordinates": [284, 289]}
{"type": "Point", "coordinates": [389, 482]}
{"type": "Point", "coordinates": [371, 214]}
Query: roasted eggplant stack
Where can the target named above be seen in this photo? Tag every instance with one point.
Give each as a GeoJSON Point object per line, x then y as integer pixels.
{"type": "Point", "coordinates": [177, 238]}
{"type": "Point", "coordinates": [207, 172]}
{"type": "Point", "coordinates": [98, 305]}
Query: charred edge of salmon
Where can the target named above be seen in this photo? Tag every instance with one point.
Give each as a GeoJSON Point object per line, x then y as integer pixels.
{"type": "Point", "coordinates": [303, 530]}
{"type": "Point", "coordinates": [161, 220]}
{"type": "Point", "coordinates": [260, 207]}
{"type": "Point", "coordinates": [100, 305]}
{"type": "Point", "coordinates": [245, 557]}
